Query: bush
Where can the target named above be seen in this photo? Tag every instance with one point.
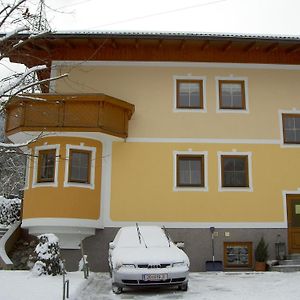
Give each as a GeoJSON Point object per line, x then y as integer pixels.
{"type": "Point", "coordinates": [47, 260]}
{"type": "Point", "coordinates": [9, 210]}
{"type": "Point", "coordinates": [261, 251]}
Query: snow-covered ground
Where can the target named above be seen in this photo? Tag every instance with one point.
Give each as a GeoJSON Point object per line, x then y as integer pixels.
{"type": "Point", "coordinates": [17, 285]}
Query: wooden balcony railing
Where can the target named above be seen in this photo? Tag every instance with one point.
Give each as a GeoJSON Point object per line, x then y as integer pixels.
{"type": "Point", "coordinates": [52, 112]}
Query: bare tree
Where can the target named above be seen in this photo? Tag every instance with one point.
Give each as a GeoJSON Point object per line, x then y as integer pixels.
{"type": "Point", "coordinates": [21, 26]}
{"type": "Point", "coordinates": [18, 26]}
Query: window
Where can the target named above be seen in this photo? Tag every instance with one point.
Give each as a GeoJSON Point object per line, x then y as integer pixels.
{"type": "Point", "coordinates": [189, 94]}
{"type": "Point", "coordinates": [234, 171]}
{"type": "Point", "coordinates": [232, 94]}
{"type": "Point", "coordinates": [79, 166]}
{"type": "Point", "coordinates": [190, 171]}
{"type": "Point", "coordinates": [291, 128]}
{"type": "Point", "coordinates": [46, 165]}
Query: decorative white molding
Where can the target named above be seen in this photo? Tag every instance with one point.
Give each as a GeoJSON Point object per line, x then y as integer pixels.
{"type": "Point", "coordinates": [190, 189]}
{"type": "Point", "coordinates": [232, 111]}
{"type": "Point", "coordinates": [187, 110]}
{"type": "Point", "coordinates": [90, 185]}
{"type": "Point", "coordinates": [106, 182]}
{"type": "Point", "coordinates": [280, 113]}
{"type": "Point", "coordinates": [28, 168]}
{"type": "Point", "coordinates": [63, 222]}
{"type": "Point", "coordinates": [202, 141]}
{"type": "Point", "coordinates": [151, 64]}
{"type": "Point", "coordinates": [235, 189]}
{"type": "Point", "coordinates": [70, 232]}
{"type": "Point", "coordinates": [238, 225]}
{"type": "Point", "coordinates": [35, 167]}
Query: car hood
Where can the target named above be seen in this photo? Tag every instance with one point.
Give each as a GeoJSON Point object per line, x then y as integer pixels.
{"type": "Point", "coordinates": [151, 255]}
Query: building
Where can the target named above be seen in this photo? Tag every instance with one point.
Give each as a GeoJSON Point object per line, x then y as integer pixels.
{"type": "Point", "coordinates": [186, 130]}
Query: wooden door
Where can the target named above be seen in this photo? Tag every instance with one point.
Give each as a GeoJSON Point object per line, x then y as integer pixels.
{"type": "Point", "coordinates": [293, 211]}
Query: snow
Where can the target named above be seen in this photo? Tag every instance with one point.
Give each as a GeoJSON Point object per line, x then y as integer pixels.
{"type": "Point", "coordinates": [151, 246]}
{"type": "Point", "coordinates": [152, 236]}
{"type": "Point", "coordinates": [23, 285]}
{"type": "Point", "coordinates": [9, 211]}
{"type": "Point", "coordinates": [16, 285]}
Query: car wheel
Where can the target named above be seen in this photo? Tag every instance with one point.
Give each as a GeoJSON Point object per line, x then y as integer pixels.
{"type": "Point", "coordinates": [117, 289]}
{"type": "Point", "coordinates": [183, 287]}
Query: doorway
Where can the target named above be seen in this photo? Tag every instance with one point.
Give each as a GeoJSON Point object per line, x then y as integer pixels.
{"type": "Point", "coordinates": [293, 218]}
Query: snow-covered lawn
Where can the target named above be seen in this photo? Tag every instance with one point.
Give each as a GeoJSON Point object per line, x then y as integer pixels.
{"type": "Point", "coordinates": [22, 285]}
{"type": "Point", "coordinates": [17, 285]}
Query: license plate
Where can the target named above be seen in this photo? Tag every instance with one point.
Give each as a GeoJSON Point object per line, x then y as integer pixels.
{"type": "Point", "coordinates": [155, 277]}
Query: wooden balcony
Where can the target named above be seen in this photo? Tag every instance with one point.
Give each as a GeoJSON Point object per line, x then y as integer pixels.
{"type": "Point", "coordinates": [52, 112]}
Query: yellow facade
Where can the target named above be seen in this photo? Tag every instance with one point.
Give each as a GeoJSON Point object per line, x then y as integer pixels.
{"type": "Point", "coordinates": [151, 90]}
{"type": "Point", "coordinates": [60, 201]}
{"type": "Point", "coordinates": [142, 185]}
{"type": "Point", "coordinates": [142, 172]}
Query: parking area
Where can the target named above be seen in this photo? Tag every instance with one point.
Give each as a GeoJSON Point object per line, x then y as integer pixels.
{"type": "Point", "coordinates": [206, 285]}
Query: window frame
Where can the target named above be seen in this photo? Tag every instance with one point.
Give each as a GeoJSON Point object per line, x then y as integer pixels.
{"type": "Point", "coordinates": [39, 171]}
{"type": "Point", "coordinates": [192, 79]}
{"type": "Point", "coordinates": [193, 154]}
{"type": "Point", "coordinates": [245, 155]}
{"type": "Point", "coordinates": [91, 173]}
{"type": "Point", "coordinates": [71, 151]}
{"type": "Point", "coordinates": [292, 115]}
{"type": "Point", "coordinates": [36, 168]}
{"type": "Point", "coordinates": [245, 101]}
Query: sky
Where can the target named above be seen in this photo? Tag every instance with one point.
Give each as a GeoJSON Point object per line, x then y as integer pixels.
{"type": "Point", "coordinates": [228, 16]}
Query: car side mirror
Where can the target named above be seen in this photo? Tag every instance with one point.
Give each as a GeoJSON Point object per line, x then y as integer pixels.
{"type": "Point", "coordinates": [112, 246]}
{"type": "Point", "coordinates": [179, 244]}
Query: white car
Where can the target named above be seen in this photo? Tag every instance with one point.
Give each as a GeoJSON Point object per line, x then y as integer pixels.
{"type": "Point", "coordinates": [146, 256]}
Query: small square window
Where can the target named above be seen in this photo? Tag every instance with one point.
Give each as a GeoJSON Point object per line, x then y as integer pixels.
{"type": "Point", "coordinates": [79, 166]}
{"type": "Point", "coordinates": [235, 171]}
{"type": "Point", "coordinates": [291, 128]}
{"type": "Point", "coordinates": [190, 171]}
{"type": "Point", "coordinates": [189, 94]}
{"type": "Point", "coordinates": [46, 165]}
{"type": "Point", "coordinates": [232, 94]}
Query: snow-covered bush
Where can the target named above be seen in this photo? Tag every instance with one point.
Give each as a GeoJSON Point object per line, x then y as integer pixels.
{"type": "Point", "coordinates": [9, 210]}
{"type": "Point", "coordinates": [47, 260]}
{"type": "Point", "coordinates": [83, 261]}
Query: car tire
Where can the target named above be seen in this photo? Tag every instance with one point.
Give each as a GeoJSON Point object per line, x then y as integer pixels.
{"type": "Point", "coordinates": [117, 289]}
{"type": "Point", "coordinates": [183, 287]}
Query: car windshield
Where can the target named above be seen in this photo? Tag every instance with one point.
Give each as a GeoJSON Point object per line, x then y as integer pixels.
{"type": "Point", "coordinates": [150, 237]}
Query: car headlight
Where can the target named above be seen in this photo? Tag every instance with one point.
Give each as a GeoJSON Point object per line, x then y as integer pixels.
{"type": "Point", "coordinates": [179, 264]}
{"type": "Point", "coordinates": [128, 266]}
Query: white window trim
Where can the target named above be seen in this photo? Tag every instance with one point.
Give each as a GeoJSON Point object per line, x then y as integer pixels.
{"type": "Point", "coordinates": [234, 111]}
{"type": "Point", "coordinates": [28, 167]}
{"type": "Point", "coordinates": [90, 185]}
{"type": "Point", "coordinates": [190, 189]}
{"type": "Point", "coordinates": [35, 168]}
{"type": "Point", "coordinates": [186, 110]}
{"type": "Point", "coordinates": [280, 113]}
{"type": "Point", "coordinates": [235, 189]}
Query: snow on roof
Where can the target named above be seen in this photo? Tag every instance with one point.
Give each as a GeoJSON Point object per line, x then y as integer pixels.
{"type": "Point", "coordinates": [170, 34]}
